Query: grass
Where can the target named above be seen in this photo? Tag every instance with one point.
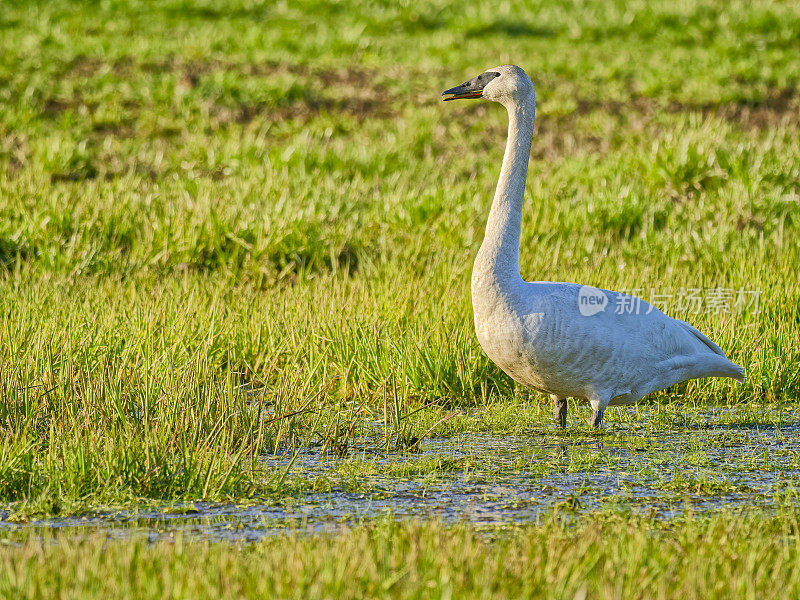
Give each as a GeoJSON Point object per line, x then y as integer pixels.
{"type": "Point", "coordinates": [606, 556]}
{"type": "Point", "coordinates": [206, 256]}
{"type": "Point", "coordinates": [249, 228]}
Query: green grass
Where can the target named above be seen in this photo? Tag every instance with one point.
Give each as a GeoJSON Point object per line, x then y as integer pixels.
{"type": "Point", "coordinates": [222, 238]}
{"type": "Point", "coordinates": [606, 556]}
{"type": "Point", "coordinates": [233, 229]}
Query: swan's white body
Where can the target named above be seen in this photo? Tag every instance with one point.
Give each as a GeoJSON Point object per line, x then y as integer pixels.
{"type": "Point", "coordinates": [538, 332]}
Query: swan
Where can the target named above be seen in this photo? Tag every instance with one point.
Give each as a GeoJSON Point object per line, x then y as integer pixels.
{"type": "Point", "coordinates": [565, 339]}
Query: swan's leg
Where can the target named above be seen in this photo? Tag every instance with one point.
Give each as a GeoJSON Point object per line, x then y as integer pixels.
{"type": "Point", "coordinates": [598, 408]}
{"type": "Point", "coordinates": [560, 410]}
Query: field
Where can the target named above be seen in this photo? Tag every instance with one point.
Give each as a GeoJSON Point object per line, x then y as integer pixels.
{"type": "Point", "coordinates": [235, 247]}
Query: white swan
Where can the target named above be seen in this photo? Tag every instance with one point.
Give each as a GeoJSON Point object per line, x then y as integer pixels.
{"type": "Point", "coordinates": [566, 339]}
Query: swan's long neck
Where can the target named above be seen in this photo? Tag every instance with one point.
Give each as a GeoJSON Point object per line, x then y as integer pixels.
{"type": "Point", "coordinates": [498, 258]}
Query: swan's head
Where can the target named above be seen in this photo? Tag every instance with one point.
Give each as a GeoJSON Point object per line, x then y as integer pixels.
{"type": "Point", "coordinates": [505, 84]}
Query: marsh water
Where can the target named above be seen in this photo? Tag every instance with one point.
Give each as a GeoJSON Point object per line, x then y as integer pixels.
{"type": "Point", "coordinates": [713, 461]}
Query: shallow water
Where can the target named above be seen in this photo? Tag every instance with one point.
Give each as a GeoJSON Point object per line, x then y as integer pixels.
{"type": "Point", "coordinates": [711, 461]}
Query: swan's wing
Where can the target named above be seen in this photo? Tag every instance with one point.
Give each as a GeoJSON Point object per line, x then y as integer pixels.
{"type": "Point", "coordinates": [620, 350]}
{"type": "Point", "coordinates": [702, 337]}
{"type": "Point", "coordinates": [660, 337]}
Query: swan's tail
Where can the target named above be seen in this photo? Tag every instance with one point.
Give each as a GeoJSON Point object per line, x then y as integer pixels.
{"type": "Point", "coordinates": [736, 372]}
{"type": "Point", "coordinates": [697, 366]}
{"type": "Point", "coordinates": [714, 365]}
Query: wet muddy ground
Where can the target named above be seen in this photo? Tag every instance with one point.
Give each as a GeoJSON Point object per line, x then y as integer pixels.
{"type": "Point", "coordinates": [713, 460]}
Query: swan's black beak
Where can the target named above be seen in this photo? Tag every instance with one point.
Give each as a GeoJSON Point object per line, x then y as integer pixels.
{"type": "Point", "coordinates": [465, 90]}
{"type": "Point", "coordinates": [470, 89]}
